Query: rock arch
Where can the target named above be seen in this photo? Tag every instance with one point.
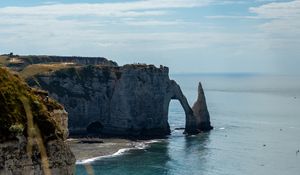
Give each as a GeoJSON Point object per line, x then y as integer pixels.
{"type": "Point", "coordinates": [130, 100]}
{"type": "Point", "coordinates": [197, 119]}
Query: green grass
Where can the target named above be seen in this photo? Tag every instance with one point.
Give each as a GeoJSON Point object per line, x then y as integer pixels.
{"type": "Point", "coordinates": [15, 95]}
{"type": "Point", "coordinates": [35, 69]}
{"type": "Point", "coordinates": [3, 60]}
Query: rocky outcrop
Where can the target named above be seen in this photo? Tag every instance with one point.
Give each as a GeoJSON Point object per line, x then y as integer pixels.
{"type": "Point", "coordinates": [15, 159]}
{"type": "Point", "coordinates": [130, 100]}
{"type": "Point", "coordinates": [202, 118]}
{"type": "Point", "coordinates": [33, 129]}
{"type": "Point", "coordinates": [61, 117]}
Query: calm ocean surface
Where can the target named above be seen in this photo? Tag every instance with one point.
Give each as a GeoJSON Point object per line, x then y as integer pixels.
{"type": "Point", "coordinates": [257, 131]}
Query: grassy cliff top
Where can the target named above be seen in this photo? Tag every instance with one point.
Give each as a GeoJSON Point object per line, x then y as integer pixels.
{"type": "Point", "coordinates": [35, 69]}
{"type": "Point", "coordinates": [19, 62]}
{"type": "Point", "coordinates": [21, 105]}
{"type": "Point", "coordinates": [3, 60]}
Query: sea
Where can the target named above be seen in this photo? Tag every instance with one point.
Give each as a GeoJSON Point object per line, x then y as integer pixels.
{"type": "Point", "coordinates": [256, 121]}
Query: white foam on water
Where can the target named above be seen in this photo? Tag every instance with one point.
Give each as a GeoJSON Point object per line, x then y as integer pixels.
{"type": "Point", "coordinates": [118, 153]}
{"type": "Point", "coordinates": [139, 145]}
{"type": "Point", "coordinates": [152, 141]}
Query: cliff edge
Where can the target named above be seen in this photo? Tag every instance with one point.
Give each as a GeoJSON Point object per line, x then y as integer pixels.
{"type": "Point", "coordinates": [103, 98]}
{"type": "Point", "coordinates": [33, 129]}
{"type": "Point", "coordinates": [130, 100]}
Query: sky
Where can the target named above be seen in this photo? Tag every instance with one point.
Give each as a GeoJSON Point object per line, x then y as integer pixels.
{"type": "Point", "coordinates": [189, 36]}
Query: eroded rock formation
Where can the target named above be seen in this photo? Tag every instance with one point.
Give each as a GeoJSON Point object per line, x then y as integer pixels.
{"type": "Point", "coordinates": [33, 129]}
{"type": "Point", "coordinates": [104, 98]}
{"type": "Point", "coordinates": [131, 100]}
{"type": "Point", "coordinates": [200, 112]}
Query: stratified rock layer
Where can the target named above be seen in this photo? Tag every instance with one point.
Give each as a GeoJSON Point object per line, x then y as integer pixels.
{"type": "Point", "coordinates": [33, 128]}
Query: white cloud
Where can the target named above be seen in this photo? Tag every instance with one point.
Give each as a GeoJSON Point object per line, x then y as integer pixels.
{"type": "Point", "coordinates": [60, 19]}
{"type": "Point", "coordinates": [93, 25]}
{"type": "Point", "coordinates": [156, 23]}
{"type": "Point", "coordinates": [277, 10]}
{"type": "Point", "coordinates": [279, 18]}
{"type": "Point", "coordinates": [45, 26]}
{"type": "Point", "coordinates": [103, 9]}
{"type": "Point", "coordinates": [283, 18]}
{"type": "Point", "coordinates": [231, 17]}
{"type": "Point", "coordinates": [149, 27]}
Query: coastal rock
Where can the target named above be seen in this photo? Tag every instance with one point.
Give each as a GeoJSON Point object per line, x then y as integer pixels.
{"type": "Point", "coordinates": [130, 100]}
{"type": "Point", "coordinates": [15, 159]}
{"type": "Point", "coordinates": [33, 130]}
{"type": "Point", "coordinates": [61, 117]}
{"type": "Point", "coordinates": [200, 112]}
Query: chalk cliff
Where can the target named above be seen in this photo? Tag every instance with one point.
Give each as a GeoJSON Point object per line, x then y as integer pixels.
{"type": "Point", "coordinates": [130, 100]}
{"type": "Point", "coordinates": [33, 128]}
{"type": "Point", "coordinates": [104, 98]}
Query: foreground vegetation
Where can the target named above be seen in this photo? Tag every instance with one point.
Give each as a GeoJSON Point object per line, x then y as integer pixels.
{"type": "Point", "coordinates": [21, 105]}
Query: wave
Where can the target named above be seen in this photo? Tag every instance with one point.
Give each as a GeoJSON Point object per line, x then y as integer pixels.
{"type": "Point", "coordinates": [119, 152]}
{"type": "Point", "coordinates": [137, 146]}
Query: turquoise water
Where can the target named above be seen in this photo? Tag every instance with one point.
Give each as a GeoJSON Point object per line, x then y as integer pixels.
{"type": "Point", "coordinates": [257, 131]}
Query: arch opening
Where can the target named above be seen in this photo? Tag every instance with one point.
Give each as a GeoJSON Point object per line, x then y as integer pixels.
{"type": "Point", "coordinates": [176, 116]}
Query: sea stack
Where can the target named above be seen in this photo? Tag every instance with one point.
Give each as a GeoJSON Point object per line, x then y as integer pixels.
{"type": "Point", "coordinates": [200, 111]}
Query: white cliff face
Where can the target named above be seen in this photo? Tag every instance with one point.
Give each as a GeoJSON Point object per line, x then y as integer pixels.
{"type": "Point", "coordinates": [131, 100]}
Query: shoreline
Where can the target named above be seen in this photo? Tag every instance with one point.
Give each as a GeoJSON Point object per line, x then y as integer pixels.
{"type": "Point", "coordinates": [87, 150]}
